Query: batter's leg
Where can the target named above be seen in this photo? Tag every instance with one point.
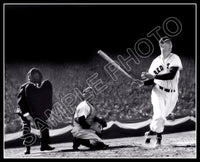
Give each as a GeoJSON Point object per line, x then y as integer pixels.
{"type": "Point", "coordinates": [148, 136]}
{"type": "Point", "coordinates": [158, 139]}
{"type": "Point", "coordinates": [158, 102]}
{"type": "Point", "coordinates": [171, 101]}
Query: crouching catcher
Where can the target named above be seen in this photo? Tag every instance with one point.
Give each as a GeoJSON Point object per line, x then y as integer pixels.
{"type": "Point", "coordinates": [87, 127]}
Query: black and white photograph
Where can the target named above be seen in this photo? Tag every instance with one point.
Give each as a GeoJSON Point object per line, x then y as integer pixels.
{"type": "Point", "coordinates": [99, 80]}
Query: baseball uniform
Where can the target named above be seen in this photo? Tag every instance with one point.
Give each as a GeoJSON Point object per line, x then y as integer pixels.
{"type": "Point", "coordinates": [87, 110]}
{"type": "Point", "coordinates": [164, 95]}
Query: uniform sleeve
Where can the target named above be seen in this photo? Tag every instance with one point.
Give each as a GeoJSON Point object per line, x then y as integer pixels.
{"type": "Point", "coordinates": [176, 62]}
{"type": "Point", "coordinates": [83, 109]}
{"type": "Point", "coordinates": [21, 101]}
{"type": "Point", "coordinates": [149, 82]}
{"type": "Point", "coordinates": [152, 68]}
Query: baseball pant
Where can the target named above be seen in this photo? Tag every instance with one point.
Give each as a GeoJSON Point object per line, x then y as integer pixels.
{"type": "Point", "coordinates": [28, 138]}
{"type": "Point", "coordinates": [44, 132]}
{"type": "Point", "coordinates": [163, 104]}
{"type": "Point", "coordinates": [87, 134]}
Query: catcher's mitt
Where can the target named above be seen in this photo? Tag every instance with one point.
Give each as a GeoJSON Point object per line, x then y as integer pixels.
{"type": "Point", "coordinates": [101, 121]}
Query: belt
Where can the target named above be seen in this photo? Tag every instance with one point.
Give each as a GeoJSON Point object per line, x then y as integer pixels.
{"type": "Point", "coordinates": [166, 89]}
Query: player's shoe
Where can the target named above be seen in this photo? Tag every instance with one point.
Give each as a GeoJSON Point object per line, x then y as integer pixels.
{"type": "Point", "coordinates": [147, 140]}
{"type": "Point", "coordinates": [47, 148]}
{"type": "Point", "coordinates": [99, 146]}
{"type": "Point", "coordinates": [158, 142]}
{"type": "Point", "coordinates": [27, 150]}
{"type": "Point", "coordinates": [148, 135]}
{"type": "Point", "coordinates": [105, 146]}
{"type": "Point", "coordinates": [76, 143]}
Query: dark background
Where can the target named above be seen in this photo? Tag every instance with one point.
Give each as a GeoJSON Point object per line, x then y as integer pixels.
{"type": "Point", "coordinates": [62, 41]}
{"type": "Point", "coordinates": [74, 33]}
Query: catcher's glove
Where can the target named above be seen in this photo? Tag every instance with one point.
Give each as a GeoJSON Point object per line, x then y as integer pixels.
{"type": "Point", "coordinates": [100, 121]}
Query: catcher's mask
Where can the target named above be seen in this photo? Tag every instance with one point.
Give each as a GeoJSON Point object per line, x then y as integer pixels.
{"type": "Point", "coordinates": [34, 75]}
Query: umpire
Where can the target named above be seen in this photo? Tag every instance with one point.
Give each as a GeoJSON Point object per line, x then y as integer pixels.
{"type": "Point", "coordinates": [34, 98]}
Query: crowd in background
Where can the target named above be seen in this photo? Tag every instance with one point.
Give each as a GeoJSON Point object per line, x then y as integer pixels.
{"type": "Point", "coordinates": [120, 101]}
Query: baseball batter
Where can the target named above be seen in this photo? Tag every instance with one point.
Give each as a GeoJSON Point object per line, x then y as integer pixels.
{"type": "Point", "coordinates": [164, 73]}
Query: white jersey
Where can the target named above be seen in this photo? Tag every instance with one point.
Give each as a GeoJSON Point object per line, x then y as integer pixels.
{"type": "Point", "coordinates": [160, 66]}
{"type": "Point", "coordinates": [86, 109]}
{"type": "Point", "coordinates": [82, 109]}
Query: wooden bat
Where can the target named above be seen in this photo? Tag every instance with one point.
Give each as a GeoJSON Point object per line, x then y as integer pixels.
{"type": "Point", "coordinates": [111, 61]}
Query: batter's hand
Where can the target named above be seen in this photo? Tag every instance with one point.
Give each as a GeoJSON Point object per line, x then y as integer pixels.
{"type": "Point", "coordinates": [29, 118]}
{"type": "Point", "coordinates": [140, 83]}
{"type": "Point", "coordinates": [146, 75]}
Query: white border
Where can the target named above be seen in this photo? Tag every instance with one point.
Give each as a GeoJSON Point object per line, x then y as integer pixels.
{"type": "Point", "coordinates": [39, 4]}
{"type": "Point", "coordinates": [100, 4]}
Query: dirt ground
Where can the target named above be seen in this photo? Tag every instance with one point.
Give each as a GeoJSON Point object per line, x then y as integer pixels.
{"type": "Point", "coordinates": [176, 145]}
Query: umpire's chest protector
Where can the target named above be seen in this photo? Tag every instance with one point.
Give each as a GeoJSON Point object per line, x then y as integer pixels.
{"type": "Point", "coordinates": [39, 99]}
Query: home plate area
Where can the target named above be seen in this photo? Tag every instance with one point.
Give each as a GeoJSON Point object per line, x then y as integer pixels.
{"type": "Point", "coordinates": [175, 145]}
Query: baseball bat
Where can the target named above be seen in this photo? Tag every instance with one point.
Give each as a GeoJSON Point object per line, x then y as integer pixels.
{"type": "Point", "coordinates": [111, 61]}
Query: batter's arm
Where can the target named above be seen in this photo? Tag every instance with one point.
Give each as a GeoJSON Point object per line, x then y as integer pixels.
{"type": "Point", "coordinates": [168, 76]}
{"type": "Point", "coordinates": [148, 82]}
